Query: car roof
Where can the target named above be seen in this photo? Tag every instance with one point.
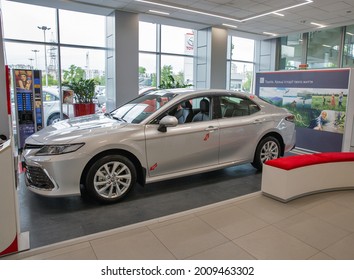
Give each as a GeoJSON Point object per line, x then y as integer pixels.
{"type": "Point", "coordinates": [52, 90]}
{"type": "Point", "coordinates": [206, 92]}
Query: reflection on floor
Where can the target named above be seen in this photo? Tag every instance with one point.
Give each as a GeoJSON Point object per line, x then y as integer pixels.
{"type": "Point", "coordinates": [51, 220]}
{"type": "Point", "coordinates": [319, 226]}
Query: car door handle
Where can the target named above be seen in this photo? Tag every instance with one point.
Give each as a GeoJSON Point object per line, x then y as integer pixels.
{"type": "Point", "coordinates": [257, 121]}
{"type": "Point", "coordinates": [211, 128]}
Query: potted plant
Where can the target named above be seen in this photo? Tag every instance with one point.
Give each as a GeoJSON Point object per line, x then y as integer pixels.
{"type": "Point", "coordinates": [84, 92]}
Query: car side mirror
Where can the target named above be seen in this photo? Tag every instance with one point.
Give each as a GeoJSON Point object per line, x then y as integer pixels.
{"type": "Point", "coordinates": [167, 121]}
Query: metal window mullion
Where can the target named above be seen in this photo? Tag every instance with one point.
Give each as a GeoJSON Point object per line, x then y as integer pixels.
{"type": "Point", "coordinates": [59, 65]}
{"type": "Point", "coordinates": [341, 47]}
{"type": "Point", "coordinates": [305, 40]}
{"type": "Point", "coordinates": [158, 55]}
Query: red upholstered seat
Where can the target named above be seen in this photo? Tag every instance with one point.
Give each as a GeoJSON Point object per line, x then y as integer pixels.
{"type": "Point", "coordinates": [292, 162]}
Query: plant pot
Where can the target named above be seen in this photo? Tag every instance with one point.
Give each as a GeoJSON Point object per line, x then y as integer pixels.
{"type": "Point", "coordinates": [82, 109]}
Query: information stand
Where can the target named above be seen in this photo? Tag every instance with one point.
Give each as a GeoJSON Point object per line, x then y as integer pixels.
{"type": "Point", "coordinates": [11, 240]}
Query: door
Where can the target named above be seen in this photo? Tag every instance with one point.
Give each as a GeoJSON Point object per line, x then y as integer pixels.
{"type": "Point", "coordinates": [240, 127]}
{"type": "Point", "coordinates": [185, 147]}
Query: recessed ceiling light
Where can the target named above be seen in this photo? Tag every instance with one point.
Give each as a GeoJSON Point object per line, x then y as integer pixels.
{"type": "Point", "coordinates": [269, 33]}
{"type": "Point", "coordinates": [318, 24]}
{"type": "Point", "coordinates": [181, 8]}
{"type": "Point", "coordinates": [278, 14]}
{"type": "Point", "coordinates": [159, 12]}
{"type": "Point", "coordinates": [229, 25]}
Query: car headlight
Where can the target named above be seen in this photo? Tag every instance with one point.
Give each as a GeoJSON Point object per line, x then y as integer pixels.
{"type": "Point", "coordinates": [49, 150]}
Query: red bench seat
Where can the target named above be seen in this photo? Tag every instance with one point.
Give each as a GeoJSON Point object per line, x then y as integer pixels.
{"type": "Point", "coordinates": [288, 163]}
{"type": "Point", "coordinates": [295, 176]}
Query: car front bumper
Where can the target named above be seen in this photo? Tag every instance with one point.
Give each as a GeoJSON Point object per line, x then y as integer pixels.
{"type": "Point", "coordinates": [57, 175]}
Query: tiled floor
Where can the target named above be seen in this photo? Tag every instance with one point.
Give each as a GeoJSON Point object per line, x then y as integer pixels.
{"type": "Point", "coordinates": [318, 227]}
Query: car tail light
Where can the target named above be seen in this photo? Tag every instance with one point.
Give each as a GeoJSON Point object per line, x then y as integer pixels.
{"type": "Point", "coordinates": [290, 118]}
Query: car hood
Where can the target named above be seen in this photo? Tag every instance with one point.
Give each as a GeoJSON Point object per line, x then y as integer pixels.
{"type": "Point", "coordinates": [76, 129]}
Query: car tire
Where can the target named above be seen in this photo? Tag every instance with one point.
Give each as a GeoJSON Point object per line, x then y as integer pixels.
{"type": "Point", "coordinates": [110, 178]}
{"type": "Point", "coordinates": [55, 118]}
{"type": "Point", "coordinates": [268, 148]}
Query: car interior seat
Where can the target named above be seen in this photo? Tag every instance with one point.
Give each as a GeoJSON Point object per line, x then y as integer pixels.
{"type": "Point", "coordinates": [203, 115]}
{"type": "Point", "coordinates": [185, 114]}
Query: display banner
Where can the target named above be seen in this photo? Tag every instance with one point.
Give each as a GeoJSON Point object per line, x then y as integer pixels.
{"type": "Point", "coordinates": [317, 98]}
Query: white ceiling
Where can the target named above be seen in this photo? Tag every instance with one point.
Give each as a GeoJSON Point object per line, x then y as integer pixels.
{"type": "Point", "coordinates": [331, 13]}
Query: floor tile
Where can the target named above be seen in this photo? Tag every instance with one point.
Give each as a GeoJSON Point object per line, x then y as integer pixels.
{"type": "Point", "coordinates": [334, 213]}
{"type": "Point", "coordinates": [321, 256]}
{"type": "Point", "coordinates": [80, 251]}
{"type": "Point", "coordinates": [227, 251]}
{"type": "Point", "coordinates": [268, 209]}
{"type": "Point", "coordinates": [138, 244]}
{"type": "Point", "coordinates": [83, 254]}
{"type": "Point", "coordinates": [271, 243]}
{"type": "Point", "coordinates": [311, 230]}
{"type": "Point", "coordinates": [309, 201]}
{"type": "Point", "coordinates": [233, 222]}
{"type": "Point", "coordinates": [344, 198]}
{"type": "Point", "coordinates": [343, 249]}
{"type": "Point", "coordinates": [189, 237]}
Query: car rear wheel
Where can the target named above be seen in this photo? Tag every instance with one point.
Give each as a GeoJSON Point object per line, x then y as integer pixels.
{"type": "Point", "coordinates": [267, 149]}
{"type": "Point", "coordinates": [110, 178]}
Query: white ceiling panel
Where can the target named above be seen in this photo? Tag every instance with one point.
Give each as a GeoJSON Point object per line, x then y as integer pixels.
{"type": "Point", "coordinates": [331, 13]}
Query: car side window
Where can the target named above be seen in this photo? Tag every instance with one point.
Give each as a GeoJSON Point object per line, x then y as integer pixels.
{"type": "Point", "coordinates": [232, 106]}
{"type": "Point", "coordinates": [49, 97]}
{"type": "Point", "coordinates": [190, 110]}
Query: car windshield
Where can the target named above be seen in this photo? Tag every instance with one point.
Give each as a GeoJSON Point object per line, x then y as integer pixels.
{"type": "Point", "coordinates": [140, 108]}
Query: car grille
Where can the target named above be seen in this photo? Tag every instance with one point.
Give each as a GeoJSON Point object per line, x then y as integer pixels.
{"type": "Point", "coordinates": [38, 178]}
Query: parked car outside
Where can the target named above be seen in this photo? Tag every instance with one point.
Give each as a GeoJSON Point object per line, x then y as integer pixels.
{"type": "Point", "coordinates": [158, 136]}
{"type": "Point", "coordinates": [51, 106]}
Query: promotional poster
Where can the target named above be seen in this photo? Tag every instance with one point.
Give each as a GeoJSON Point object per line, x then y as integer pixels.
{"type": "Point", "coordinates": [317, 98]}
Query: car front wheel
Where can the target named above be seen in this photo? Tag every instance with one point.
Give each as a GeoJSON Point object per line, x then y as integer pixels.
{"type": "Point", "coordinates": [110, 178]}
{"type": "Point", "coordinates": [267, 149]}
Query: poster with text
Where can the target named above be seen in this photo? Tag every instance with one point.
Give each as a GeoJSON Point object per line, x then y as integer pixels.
{"type": "Point", "coordinates": [317, 98]}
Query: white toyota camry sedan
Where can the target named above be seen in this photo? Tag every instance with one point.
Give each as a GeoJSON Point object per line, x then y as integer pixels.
{"type": "Point", "coordinates": [158, 136]}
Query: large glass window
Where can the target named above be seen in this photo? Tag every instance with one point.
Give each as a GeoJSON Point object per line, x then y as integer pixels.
{"type": "Point", "coordinates": [180, 68]}
{"type": "Point", "coordinates": [240, 64]}
{"type": "Point", "coordinates": [291, 52]}
{"type": "Point", "coordinates": [147, 70]}
{"type": "Point", "coordinates": [147, 36]}
{"type": "Point", "coordinates": [31, 42]}
{"type": "Point", "coordinates": [176, 40]}
{"type": "Point", "coordinates": [242, 49]}
{"type": "Point", "coordinates": [172, 64]}
{"type": "Point", "coordinates": [348, 52]}
{"type": "Point", "coordinates": [82, 29]}
{"type": "Point", "coordinates": [22, 21]}
{"type": "Point", "coordinates": [323, 48]}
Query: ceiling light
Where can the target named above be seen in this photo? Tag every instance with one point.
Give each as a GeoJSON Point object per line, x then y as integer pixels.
{"type": "Point", "coordinates": [159, 12]}
{"type": "Point", "coordinates": [180, 8]}
{"type": "Point", "coordinates": [327, 46]}
{"type": "Point", "coordinates": [278, 14]}
{"type": "Point", "coordinates": [269, 33]}
{"type": "Point", "coordinates": [229, 25]}
{"type": "Point", "coordinates": [350, 33]}
{"type": "Point", "coordinates": [186, 10]}
{"type": "Point", "coordinates": [280, 10]}
{"type": "Point", "coordinates": [318, 24]}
